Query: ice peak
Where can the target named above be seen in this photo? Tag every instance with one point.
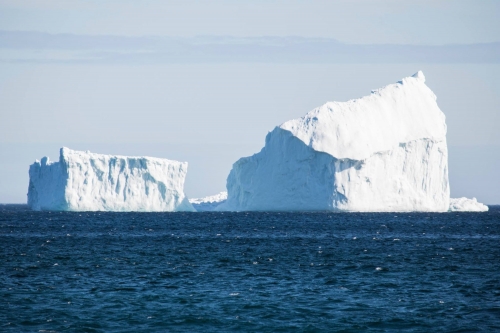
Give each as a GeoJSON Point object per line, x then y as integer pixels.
{"type": "Point", "coordinates": [356, 129]}
{"type": "Point", "coordinates": [419, 75]}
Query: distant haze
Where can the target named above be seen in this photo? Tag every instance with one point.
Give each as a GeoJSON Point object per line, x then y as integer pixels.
{"type": "Point", "coordinates": [35, 47]}
{"type": "Point", "coordinates": [163, 80]}
{"type": "Point", "coordinates": [350, 21]}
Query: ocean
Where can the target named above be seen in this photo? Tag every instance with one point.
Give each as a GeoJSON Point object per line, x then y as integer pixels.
{"type": "Point", "coordinates": [249, 272]}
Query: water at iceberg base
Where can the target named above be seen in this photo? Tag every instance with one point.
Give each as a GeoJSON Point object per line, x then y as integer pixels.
{"type": "Point", "coordinates": [210, 203]}
{"type": "Point", "coordinates": [249, 272]}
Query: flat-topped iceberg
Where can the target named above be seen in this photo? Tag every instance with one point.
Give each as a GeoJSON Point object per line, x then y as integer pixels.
{"type": "Point", "coordinates": [467, 205]}
{"type": "Point", "coordinates": [383, 152]}
{"type": "Point", "coordinates": [83, 181]}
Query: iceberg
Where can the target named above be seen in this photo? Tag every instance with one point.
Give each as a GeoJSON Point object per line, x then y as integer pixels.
{"type": "Point", "coordinates": [83, 181]}
{"type": "Point", "coordinates": [383, 152]}
{"type": "Point", "coordinates": [467, 205]}
{"type": "Point", "coordinates": [209, 203]}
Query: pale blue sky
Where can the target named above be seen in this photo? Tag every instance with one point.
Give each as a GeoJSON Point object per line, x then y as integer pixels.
{"type": "Point", "coordinates": [210, 100]}
{"type": "Point", "coordinates": [351, 21]}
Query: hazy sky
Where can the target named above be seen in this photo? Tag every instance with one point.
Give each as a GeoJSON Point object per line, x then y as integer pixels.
{"type": "Point", "coordinates": [352, 21]}
{"type": "Point", "coordinates": [206, 101]}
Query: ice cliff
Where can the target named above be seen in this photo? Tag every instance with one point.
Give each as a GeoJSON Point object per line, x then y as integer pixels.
{"type": "Point", "coordinates": [83, 181]}
{"type": "Point", "coordinates": [383, 152]}
{"type": "Point", "coordinates": [209, 203]}
{"type": "Point", "coordinates": [467, 205]}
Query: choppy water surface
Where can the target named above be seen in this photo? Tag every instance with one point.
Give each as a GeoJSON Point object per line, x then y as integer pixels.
{"type": "Point", "coordinates": [256, 272]}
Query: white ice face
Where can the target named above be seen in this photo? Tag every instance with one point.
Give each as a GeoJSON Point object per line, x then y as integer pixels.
{"type": "Point", "coordinates": [383, 152]}
{"type": "Point", "coordinates": [467, 205]}
{"type": "Point", "coordinates": [209, 203]}
{"type": "Point", "coordinates": [83, 181]}
{"type": "Point", "coordinates": [217, 198]}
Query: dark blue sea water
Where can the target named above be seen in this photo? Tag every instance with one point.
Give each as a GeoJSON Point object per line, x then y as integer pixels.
{"type": "Point", "coordinates": [249, 272]}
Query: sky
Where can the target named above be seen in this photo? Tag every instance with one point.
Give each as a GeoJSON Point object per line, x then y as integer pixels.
{"type": "Point", "coordinates": [204, 82]}
{"type": "Point", "coordinates": [350, 21]}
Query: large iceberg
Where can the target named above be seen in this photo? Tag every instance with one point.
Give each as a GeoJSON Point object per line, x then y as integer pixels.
{"type": "Point", "coordinates": [467, 205]}
{"type": "Point", "coordinates": [382, 152]}
{"type": "Point", "coordinates": [83, 181]}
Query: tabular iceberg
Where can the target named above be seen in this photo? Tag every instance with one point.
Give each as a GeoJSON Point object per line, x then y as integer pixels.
{"type": "Point", "coordinates": [83, 181]}
{"type": "Point", "coordinates": [382, 152]}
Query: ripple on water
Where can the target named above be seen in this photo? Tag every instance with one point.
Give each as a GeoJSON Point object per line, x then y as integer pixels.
{"type": "Point", "coordinates": [255, 272]}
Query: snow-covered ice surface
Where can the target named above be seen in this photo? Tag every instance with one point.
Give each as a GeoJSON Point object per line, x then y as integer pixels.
{"type": "Point", "coordinates": [382, 152]}
{"type": "Point", "coordinates": [467, 205]}
{"type": "Point", "coordinates": [209, 203]}
{"type": "Point", "coordinates": [83, 181]}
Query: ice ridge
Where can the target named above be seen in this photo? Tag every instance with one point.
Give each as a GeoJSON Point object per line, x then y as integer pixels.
{"type": "Point", "coordinates": [208, 203]}
{"type": "Point", "coordinates": [467, 205]}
